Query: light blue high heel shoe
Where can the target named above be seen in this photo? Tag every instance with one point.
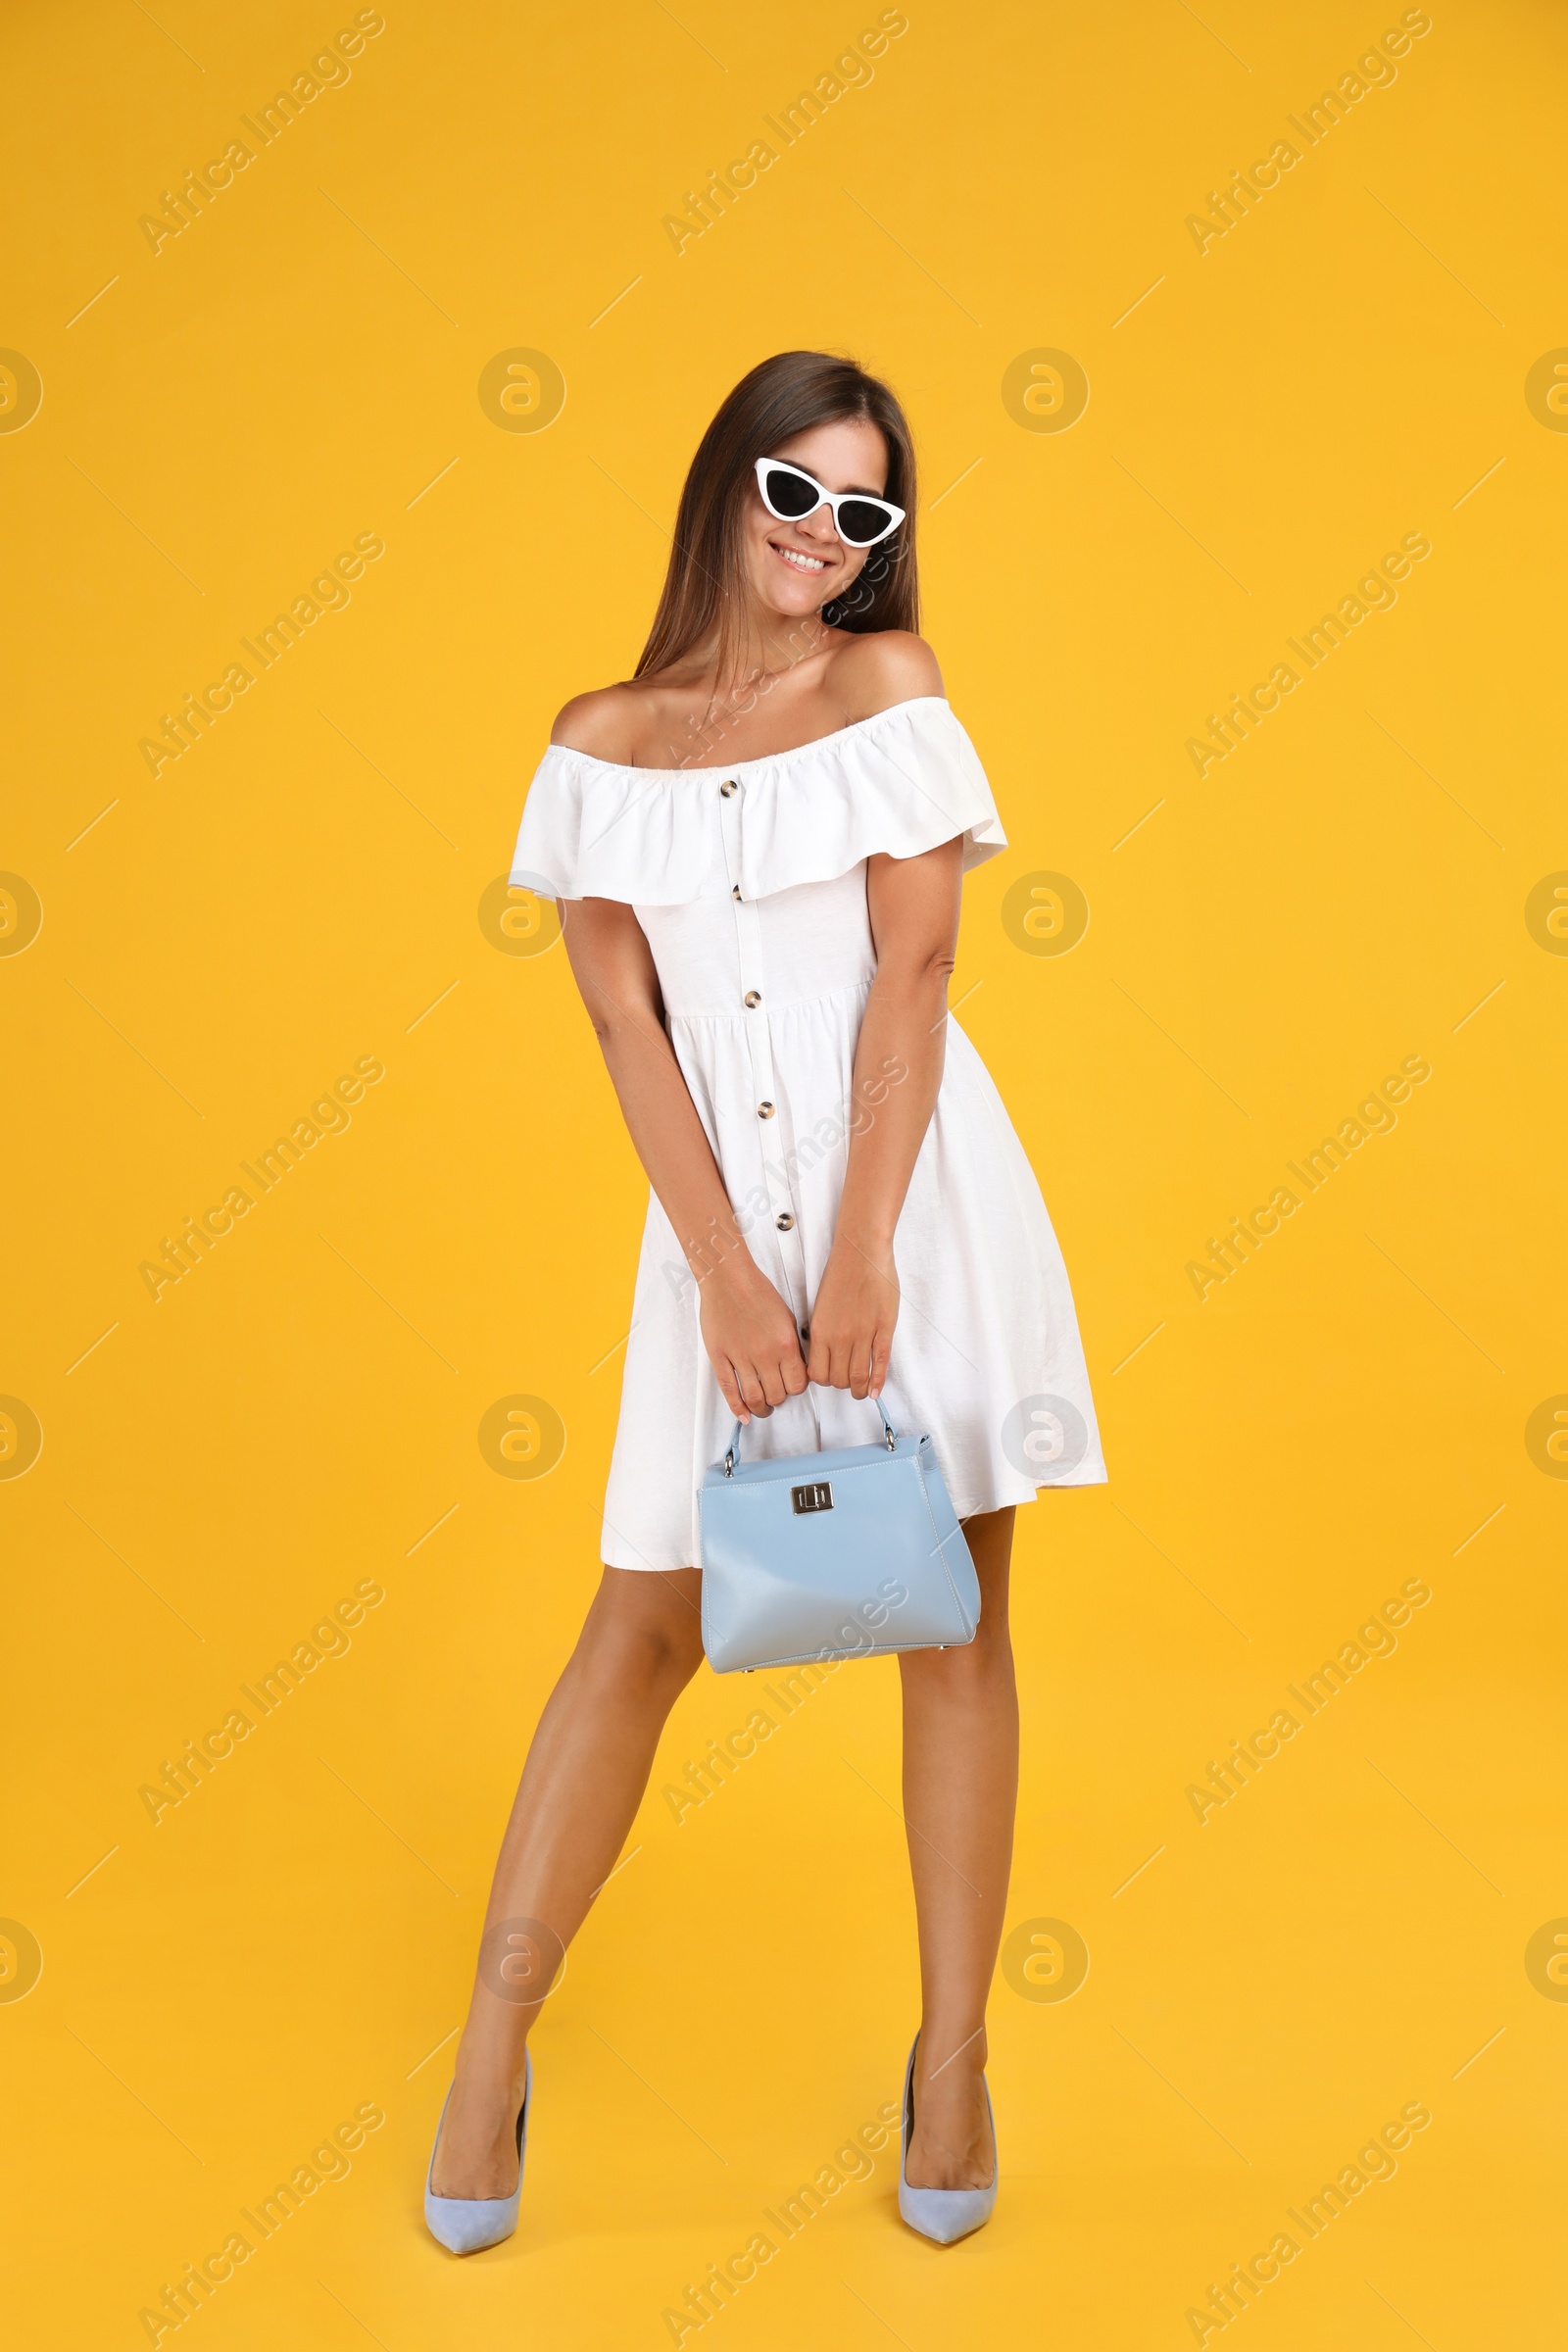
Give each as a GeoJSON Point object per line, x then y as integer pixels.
{"type": "Point", "coordinates": [941, 2214]}
{"type": "Point", "coordinates": [468, 2225]}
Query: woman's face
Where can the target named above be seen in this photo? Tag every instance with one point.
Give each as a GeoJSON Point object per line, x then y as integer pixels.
{"type": "Point", "coordinates": [794, 568]}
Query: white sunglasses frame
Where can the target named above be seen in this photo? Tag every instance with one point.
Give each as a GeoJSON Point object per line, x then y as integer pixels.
{"type": "Point", "coordinates": [828, 498]}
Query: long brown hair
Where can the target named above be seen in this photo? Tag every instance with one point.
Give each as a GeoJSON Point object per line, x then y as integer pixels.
{"type": "Point", "coordinates": [703, 585]}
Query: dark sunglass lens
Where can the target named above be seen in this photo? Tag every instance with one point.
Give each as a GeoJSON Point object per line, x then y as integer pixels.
{"type": "Point", "coordinates": [861, 519]}
{"type": "Point", "coordinates": [789, 495]}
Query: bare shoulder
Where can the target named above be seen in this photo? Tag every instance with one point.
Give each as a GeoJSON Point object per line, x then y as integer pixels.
{"type": "Point", "coordinates": [883, 668]}
{"type": "Point", "coordinates": [600, 722]}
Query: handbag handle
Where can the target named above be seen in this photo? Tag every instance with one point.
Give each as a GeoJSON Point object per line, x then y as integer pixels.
{"type": "Point", "coordinates": [732, 1452]}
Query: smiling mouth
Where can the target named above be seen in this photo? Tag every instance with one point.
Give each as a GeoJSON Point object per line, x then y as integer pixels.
{"type": "Point", "coordinates": [798, 561]}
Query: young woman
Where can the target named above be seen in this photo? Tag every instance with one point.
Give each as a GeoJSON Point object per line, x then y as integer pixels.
{"type": "Point", "coordinates": [757, 844]}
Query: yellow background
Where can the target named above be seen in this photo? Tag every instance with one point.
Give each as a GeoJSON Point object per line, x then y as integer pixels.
{"type": "Point", "coordinates": [296, 1415]}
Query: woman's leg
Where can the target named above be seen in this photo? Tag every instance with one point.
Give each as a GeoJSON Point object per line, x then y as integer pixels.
{"type": "Point", "coordinates": [961, 1787]}
{"type": "Point", "coordinates": [584, 1780]}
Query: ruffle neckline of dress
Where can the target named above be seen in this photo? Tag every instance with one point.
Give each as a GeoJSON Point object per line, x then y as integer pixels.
{"type": "Point", "coordinates": [901, 781]}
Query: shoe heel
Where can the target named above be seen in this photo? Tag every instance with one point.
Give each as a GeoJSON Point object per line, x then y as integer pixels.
{"type": "Point", "coordinates": [944, 2214]}
{"type": "Point", "coordinates": [468, 2225]}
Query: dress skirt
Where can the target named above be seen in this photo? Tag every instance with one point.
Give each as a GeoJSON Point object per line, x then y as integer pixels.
{"type": "Point", "coordinates": [986, 1354]}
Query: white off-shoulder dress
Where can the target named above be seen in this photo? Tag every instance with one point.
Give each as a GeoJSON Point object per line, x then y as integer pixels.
{"type": "Point", "coordinates": [750, 884]}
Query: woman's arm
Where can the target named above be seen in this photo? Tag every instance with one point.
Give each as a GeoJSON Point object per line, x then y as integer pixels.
{"type": "Point", "coordinates": [913, 904]}
{"type": "Point", "coordinates": [747, 1327]}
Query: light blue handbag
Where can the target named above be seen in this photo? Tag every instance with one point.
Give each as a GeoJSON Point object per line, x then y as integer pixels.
{"type": "Point", "coordinates": [844, 1555]}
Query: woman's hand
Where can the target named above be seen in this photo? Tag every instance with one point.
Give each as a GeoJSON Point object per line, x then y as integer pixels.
{"type": "Point", "coordinates": [852, 1322]}
{"type": "Point", "coordinates": [750, 1335]}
